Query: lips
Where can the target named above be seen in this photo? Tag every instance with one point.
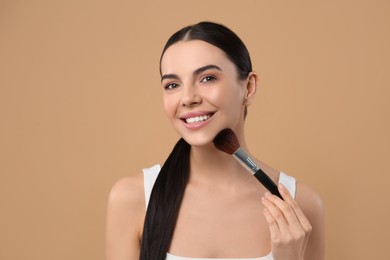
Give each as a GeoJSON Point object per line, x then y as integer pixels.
{"type": "Point", "coordinates": [195, 118]}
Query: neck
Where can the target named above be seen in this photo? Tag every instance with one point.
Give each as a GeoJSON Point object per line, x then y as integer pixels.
{"type": "Point", "coordinates": [210, 165]}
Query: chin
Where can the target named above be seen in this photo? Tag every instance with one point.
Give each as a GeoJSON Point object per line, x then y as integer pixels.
{"type": "Point", "coordinates": [202, 137]}
{"type": "Point", "coordinates": [199, 140]}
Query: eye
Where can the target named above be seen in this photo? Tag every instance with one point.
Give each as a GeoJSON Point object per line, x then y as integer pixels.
{"type": "Point", "coordinates": [208, 78]}
{"type": "Point", "coordinates": [171, 86]}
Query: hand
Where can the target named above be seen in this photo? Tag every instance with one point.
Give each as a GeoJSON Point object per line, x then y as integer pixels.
{"type": "Point", "coordinates": [289, 227]}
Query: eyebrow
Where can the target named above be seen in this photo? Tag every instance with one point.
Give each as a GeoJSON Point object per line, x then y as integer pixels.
{"type": "Point", "coordinates": [195, 73]}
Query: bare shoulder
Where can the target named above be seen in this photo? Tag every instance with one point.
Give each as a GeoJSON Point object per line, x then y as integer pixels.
{"type": "Point", "coordinates": [128, 190]}
{"type": "Point", "coordinates": [309, 200]}
{"type": "Point", "coordinates": [312, 206]}
{"type": "Point", "coordinates": [125, 216]}
{"type": "Point", "coordinates": [126, 201]}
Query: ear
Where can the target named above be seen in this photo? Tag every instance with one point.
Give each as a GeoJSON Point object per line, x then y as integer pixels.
{"type": "Point", "coordinates": [251, 88]}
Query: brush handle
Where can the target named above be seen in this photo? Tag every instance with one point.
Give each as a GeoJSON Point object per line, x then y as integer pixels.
{"type": "Point", "coordinates": [251, 166]}
{"type": "Point", "coordinates": [267, 182]}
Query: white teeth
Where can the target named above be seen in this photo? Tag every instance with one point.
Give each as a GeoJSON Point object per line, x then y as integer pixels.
{"type": "Point", "coordinates": [197, 119]}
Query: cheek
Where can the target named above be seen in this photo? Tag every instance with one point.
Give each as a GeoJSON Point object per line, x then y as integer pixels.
{"type": "Point", "coordinates": [217, 95]}
{"type": "Point", "coordinates": [226, 96]}
{"type": "Point", "coordinates": [169, 106]}
{"type": "Point", "coordinates": [166, 107]}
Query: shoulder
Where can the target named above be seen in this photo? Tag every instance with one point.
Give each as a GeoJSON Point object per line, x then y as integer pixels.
{"type": "Point", "coordinates": [128, 192]}
{"type": "Point", "coordinates": [308, 199]}
{"type": "Point", "coordinates": [312, 206]}
{"type": "Point", "coordinates": [125, 216]}
{"type": "Point", "coordinates": [126, 204]}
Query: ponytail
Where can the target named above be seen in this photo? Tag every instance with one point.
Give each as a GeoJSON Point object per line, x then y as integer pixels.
{"type": "Point", "coordinates": [164, 203]}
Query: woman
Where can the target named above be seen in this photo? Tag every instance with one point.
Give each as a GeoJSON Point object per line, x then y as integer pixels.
{"type": "Point", "coordinates": [204, 204]}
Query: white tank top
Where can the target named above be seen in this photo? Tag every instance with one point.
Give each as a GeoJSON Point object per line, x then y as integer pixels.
{"type": "Point", "coordinates": [150, 176]}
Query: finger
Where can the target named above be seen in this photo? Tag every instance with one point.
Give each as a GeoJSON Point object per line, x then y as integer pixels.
{"type": "Point", "coordinates": [300, 216]}
{"type": "Point", "coordinates": [275, 212]}
{"type": "Point", "coordinates": [273, 226]}
{"type": "Point", "coordinates": [285, 206]}
{"type": "Point", "coordinates": [293, 225]}
{"type": "Point", "coordinates": [300, 225]}
{"type": "Point", "coordinates": [285, 193]}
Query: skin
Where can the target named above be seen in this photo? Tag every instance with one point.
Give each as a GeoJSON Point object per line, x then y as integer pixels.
{"type": "Point", "coordinates": [198, 77]}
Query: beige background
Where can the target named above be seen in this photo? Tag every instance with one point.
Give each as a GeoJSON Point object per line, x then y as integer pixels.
{"type": "Point", "coordinates": [80, 107]}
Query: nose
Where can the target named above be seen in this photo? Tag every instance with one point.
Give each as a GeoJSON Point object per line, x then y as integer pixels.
{"type": "Point", "coordinates": [190, 97]}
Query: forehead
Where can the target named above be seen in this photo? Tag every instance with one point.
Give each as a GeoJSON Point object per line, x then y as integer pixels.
{"type": "Point", "coordinates": [190, 55]}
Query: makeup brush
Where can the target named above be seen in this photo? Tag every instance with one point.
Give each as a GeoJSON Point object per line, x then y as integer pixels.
{"type": "Point", "coordinates": [227, 142]}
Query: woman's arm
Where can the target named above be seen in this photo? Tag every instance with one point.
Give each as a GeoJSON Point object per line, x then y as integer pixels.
{"type": "Point", "coordinates": [125, 216]}
{"type": "Point", "coordinates": [296, 226]}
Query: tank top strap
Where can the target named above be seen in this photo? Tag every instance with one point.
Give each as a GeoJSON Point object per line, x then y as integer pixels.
{"type": "Point", "coordinates": [150, 176]}
{"type": "Point", "coordinates": [289, 182]}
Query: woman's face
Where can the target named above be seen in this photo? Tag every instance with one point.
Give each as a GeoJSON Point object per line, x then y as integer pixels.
{"type": "Point", "coordinates": [201, 91]}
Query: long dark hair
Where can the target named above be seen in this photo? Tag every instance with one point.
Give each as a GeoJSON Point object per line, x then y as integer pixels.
{"type": "Point", "coordinates": [168, 190]}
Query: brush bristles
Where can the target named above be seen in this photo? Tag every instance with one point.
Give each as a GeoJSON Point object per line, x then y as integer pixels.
{"type": "Point", "coordinates": [226, 141]}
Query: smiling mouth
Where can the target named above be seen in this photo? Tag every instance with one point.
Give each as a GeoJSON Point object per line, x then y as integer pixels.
{"type": "Point", "coordinates": [197, 119]}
